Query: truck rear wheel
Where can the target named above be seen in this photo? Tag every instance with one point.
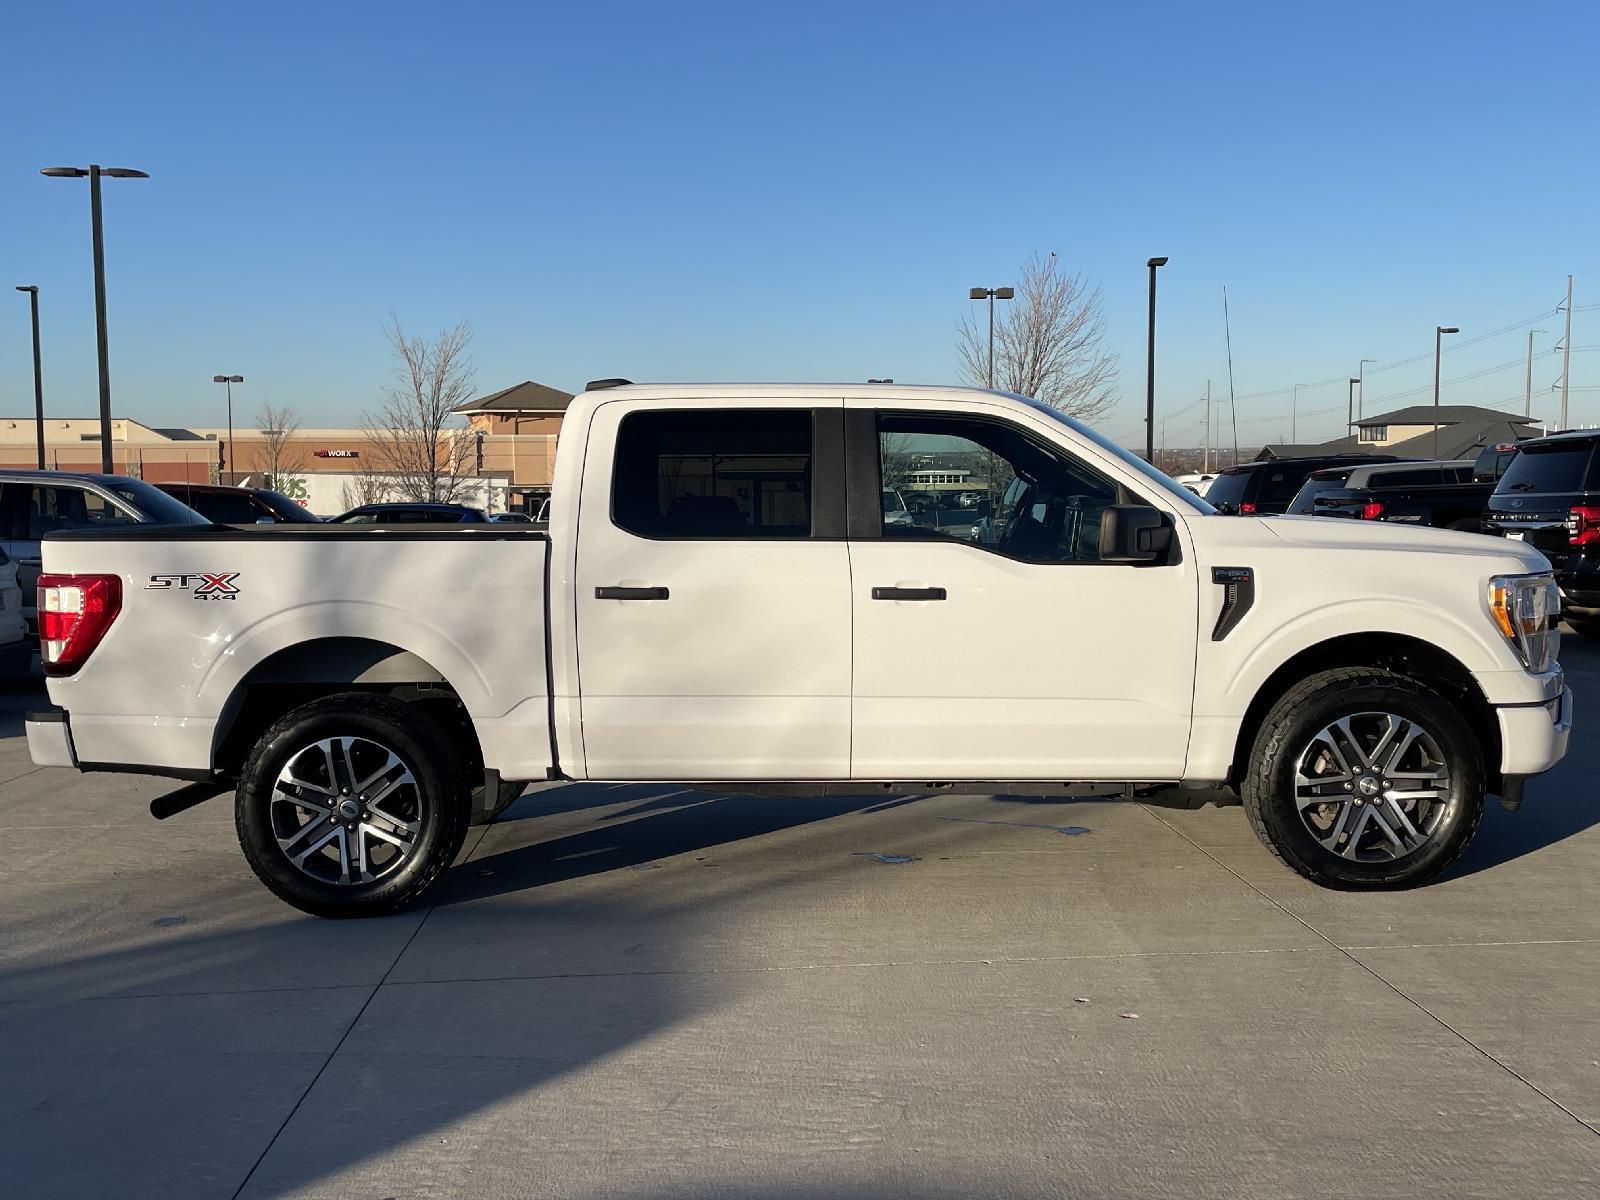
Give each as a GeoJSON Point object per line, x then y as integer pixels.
{"type": "Point", "coordinates": [349, 806]}
{"type": "Point", "coordinates": [1365, 778]}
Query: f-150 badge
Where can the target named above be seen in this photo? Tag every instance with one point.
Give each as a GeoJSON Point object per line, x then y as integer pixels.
{"type": "Point", "coordinates": [202, 585]}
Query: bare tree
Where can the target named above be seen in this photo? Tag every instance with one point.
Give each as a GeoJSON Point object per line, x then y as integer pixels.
{"type": "Point", "coordinates": [1049, 343]}
{"type": "Point", "coordinates": [278, 424]}
{"type": "Point", "coordinates": [410, 438]}
{"type": "Point", "coordinates": [365, 487]}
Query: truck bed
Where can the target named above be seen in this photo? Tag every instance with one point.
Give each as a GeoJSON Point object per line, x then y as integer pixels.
{"type": "Point", "coordinates": [208, 611]}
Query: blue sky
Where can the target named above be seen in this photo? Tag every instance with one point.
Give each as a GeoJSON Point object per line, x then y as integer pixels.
{"type": "Point", "coordinates": [737, 191]}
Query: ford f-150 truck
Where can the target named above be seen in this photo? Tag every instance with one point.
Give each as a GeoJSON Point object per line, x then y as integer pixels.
{"type": "Point", "coordinates": [721, 600]}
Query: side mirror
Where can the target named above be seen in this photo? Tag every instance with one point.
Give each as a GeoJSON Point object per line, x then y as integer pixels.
{"type": "Point", "coordinates": [1135, 533]}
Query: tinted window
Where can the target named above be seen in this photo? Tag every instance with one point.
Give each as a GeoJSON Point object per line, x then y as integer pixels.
{"type": "Point", "coordinates": [287, 508]}
{"type": "Point", "coordinates": [1227, 489]}
{"type": "Point", "coordinates": [55, 507]}
{"type": "Point", "coordinates": [1419, 477]}
{"type": "Point", "coordinates": [1491, 464]}
{"type": "Point", "coordinates": [714, 473]}
{"type": "Point", "coordinates": [993, 485]}
{"type": "Point", "coordinates": [154, 504]}
{"type": "Point", "coordinates": [1552, 467]}
{"type": "Point", "coordinates": [1317, 484]}
{"type": "Point", "coordinates": [224, 508]}
{"type": "Point", "coordinates": [1278, 486]}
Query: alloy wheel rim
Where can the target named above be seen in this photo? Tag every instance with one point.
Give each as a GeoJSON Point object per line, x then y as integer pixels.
{"type": "Point", "coordinates": [346, 810]}
{"type": "Point", "coordinates": [1372, 787]}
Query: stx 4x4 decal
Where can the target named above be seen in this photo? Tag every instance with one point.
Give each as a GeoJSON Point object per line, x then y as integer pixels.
{"type": "Point", "coordinates": [202, 585]}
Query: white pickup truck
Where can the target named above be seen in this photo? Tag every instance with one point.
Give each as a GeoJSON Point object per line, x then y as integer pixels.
{"type": "Point", "coordinates": [721, 600]}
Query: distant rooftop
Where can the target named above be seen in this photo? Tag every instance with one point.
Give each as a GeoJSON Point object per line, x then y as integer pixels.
{"type": "Point", "coordinates": [1445, 414]}
{"type": "Point", "coordinates": [526, 396]}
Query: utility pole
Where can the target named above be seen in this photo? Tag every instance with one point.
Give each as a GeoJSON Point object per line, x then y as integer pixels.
{"type": "Point", "coordinates": [1438, 341]}
{"type": "Point", "coordinates": [38, 375]}
{"type": "Point", "coordinates": [1150, 387]}
{"type": "Point", "coordinates": [1350, 408]}
{"type": "Point", "coordinates": [1205, 462]}
{"type": "Point", "coordinates": [1294, 408]}
{"type": "Point", "coordinates": [1527, 387]}
{"type": "Point", "coordinates": [1566, 356]}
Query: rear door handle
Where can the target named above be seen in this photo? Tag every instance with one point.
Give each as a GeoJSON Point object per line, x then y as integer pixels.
{"type": "Point", "coordinates": [630, 593]}
{"type": "Point", "coordinates": [907, 593]}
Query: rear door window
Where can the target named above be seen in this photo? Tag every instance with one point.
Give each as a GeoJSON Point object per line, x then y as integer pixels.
{"type": "Point", "coordinates": [1552, 467]}
{"type": "Point", "coordinates": [1278, 486]}
{"type": "Point", "coordinates": [53, 507]}
{"type": "Point", "coordinates": [714, 473]}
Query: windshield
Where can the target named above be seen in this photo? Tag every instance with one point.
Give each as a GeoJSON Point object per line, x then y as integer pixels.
{"type": "Point", "coordinates": [292, 511]}
{"type": "Point", "coordinates": [1550, 467]}
{"type": "Point", "coordinates": [155, 505]}
{"type": "Point", "coordinates": [1161, 479]}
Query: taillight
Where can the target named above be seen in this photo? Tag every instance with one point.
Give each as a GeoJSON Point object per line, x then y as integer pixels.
{"type": "Point", "coordinates": [1583, 525]}
{"type": "Point", "coordinates": [74, 613]}
{"type": "Point", "coordinates": [1247, 507]}
{"type": "Point", "coordinates": [1372, 510]}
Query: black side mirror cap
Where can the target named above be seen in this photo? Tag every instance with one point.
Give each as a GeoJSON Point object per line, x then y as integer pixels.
{"type": "Point", "coordinates": [1135, 533]}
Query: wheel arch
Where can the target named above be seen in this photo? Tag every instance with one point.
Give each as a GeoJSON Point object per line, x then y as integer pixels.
{"type": "Point", "coordinates": [306, 671]}
{"type": "Point", "coordinates": [1401, 653]}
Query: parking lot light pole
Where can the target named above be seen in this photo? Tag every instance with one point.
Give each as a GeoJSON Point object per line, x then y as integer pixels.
{"type": "Point", "coordinates": [94, 172]}
{"type": "Point", "coordinates": [1438, 339]}
{"type": "Point", "coordinates": [38, 375]}
{"type": "Point", "coordinates": [990, 294]}
{"type": "Point", "coordinates": [1150, 383]}
{"type": "Point", "coordinates": [1350, 408]}
{"type": "Point", "coordinates": [228, 460]}
{"type": "Point", "coordinates": [1361, 384]}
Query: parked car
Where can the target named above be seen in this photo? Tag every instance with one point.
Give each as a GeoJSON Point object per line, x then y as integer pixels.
{"type": "Point", "coordinates": [412, 514]}
{"type": "Point", "coordinates": [511, 518]}
{"type": "Point", "coordinates": [1549, 498]}
{"type": "Point", "coordinates": [34, 503]}
{"type": "Point", "coordinates": [16, 646]}
{"type": "Point", "coordinates": [721, 601]}
{"type": "Point", "coordinates": [1197, 482]}
{"type": "Point", "coordinates": [1442, 495]}
{"type": "Point", "coordinates": [225, 505]}
{"type": "Point", "coordinates": [1264, 489]}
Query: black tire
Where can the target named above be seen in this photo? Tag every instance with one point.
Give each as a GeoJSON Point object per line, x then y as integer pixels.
{"type": "Point", "coordinates": [1585, 627]}
{"type": "Point", "coordinates": [1268, 786]}
{"type": "Point", "coordinates": [433, 801]}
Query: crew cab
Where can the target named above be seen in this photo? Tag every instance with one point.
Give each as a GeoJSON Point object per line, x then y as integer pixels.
{"type": "Point", "coordinates": [722, 601]}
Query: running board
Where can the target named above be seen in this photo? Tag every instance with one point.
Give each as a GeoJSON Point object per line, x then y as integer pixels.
{"type": "Point", "coordinates": [186, 798]}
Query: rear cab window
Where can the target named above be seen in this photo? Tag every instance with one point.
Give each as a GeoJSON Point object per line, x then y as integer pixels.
{"type": "Point", "coordinates": [1318, 484]}
{"type": "Point", "coordinates": [1228, 490]}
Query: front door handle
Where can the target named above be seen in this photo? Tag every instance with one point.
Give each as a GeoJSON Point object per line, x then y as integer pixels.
{"type": "Point", "coordinates": [908, 593]}
{"type": "Point", "coordinates": [630, 593]}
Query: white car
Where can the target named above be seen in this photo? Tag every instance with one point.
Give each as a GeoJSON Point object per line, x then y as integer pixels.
{"type": "Point", "coordinates": [1197, 483]}
{"type": "Point", "coordinates": [721, 599]}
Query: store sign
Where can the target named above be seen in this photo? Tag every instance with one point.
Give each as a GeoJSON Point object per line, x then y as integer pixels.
{"type": "Point", "coordinates": [336, 453]}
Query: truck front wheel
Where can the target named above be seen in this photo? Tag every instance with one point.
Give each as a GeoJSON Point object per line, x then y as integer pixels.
{"type": "Point", "coordinates": [349, 806]}
{"type": "Point", "coordinates": [1365, 778]}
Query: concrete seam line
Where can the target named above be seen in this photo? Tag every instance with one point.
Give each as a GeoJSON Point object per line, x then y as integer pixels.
{"type": "Point", "coordinates": [354, 1021]}
{"type": "Point", "coordinates": [1417, 1004]}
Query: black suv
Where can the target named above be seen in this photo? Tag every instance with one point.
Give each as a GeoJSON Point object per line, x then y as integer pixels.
{"type": "Point", "coordinates": [1264, 489]}
{"type": "Point", "coordinates": [1549, 497]}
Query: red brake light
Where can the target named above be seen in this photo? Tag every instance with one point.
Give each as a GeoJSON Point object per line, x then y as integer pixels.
{"type": "Point", "coordinates": [1583, 525]}
{"type": "Point", "coordinates": [74, 613]}
{"type": "Point", "coordinates": [1247, 507]}
{"type": "Point", "coordinates": [1371, 511]}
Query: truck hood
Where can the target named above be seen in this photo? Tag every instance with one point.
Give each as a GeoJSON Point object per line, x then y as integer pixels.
{"type": "Point", "coordinates": [1328, 533]}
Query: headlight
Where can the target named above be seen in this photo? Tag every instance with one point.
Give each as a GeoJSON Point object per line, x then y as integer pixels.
{"type": "Point", "coordinates": [1527, 611]}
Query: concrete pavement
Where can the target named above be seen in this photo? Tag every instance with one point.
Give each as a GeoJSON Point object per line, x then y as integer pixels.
{"type": "Point", "coordinates": [648, 992]}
